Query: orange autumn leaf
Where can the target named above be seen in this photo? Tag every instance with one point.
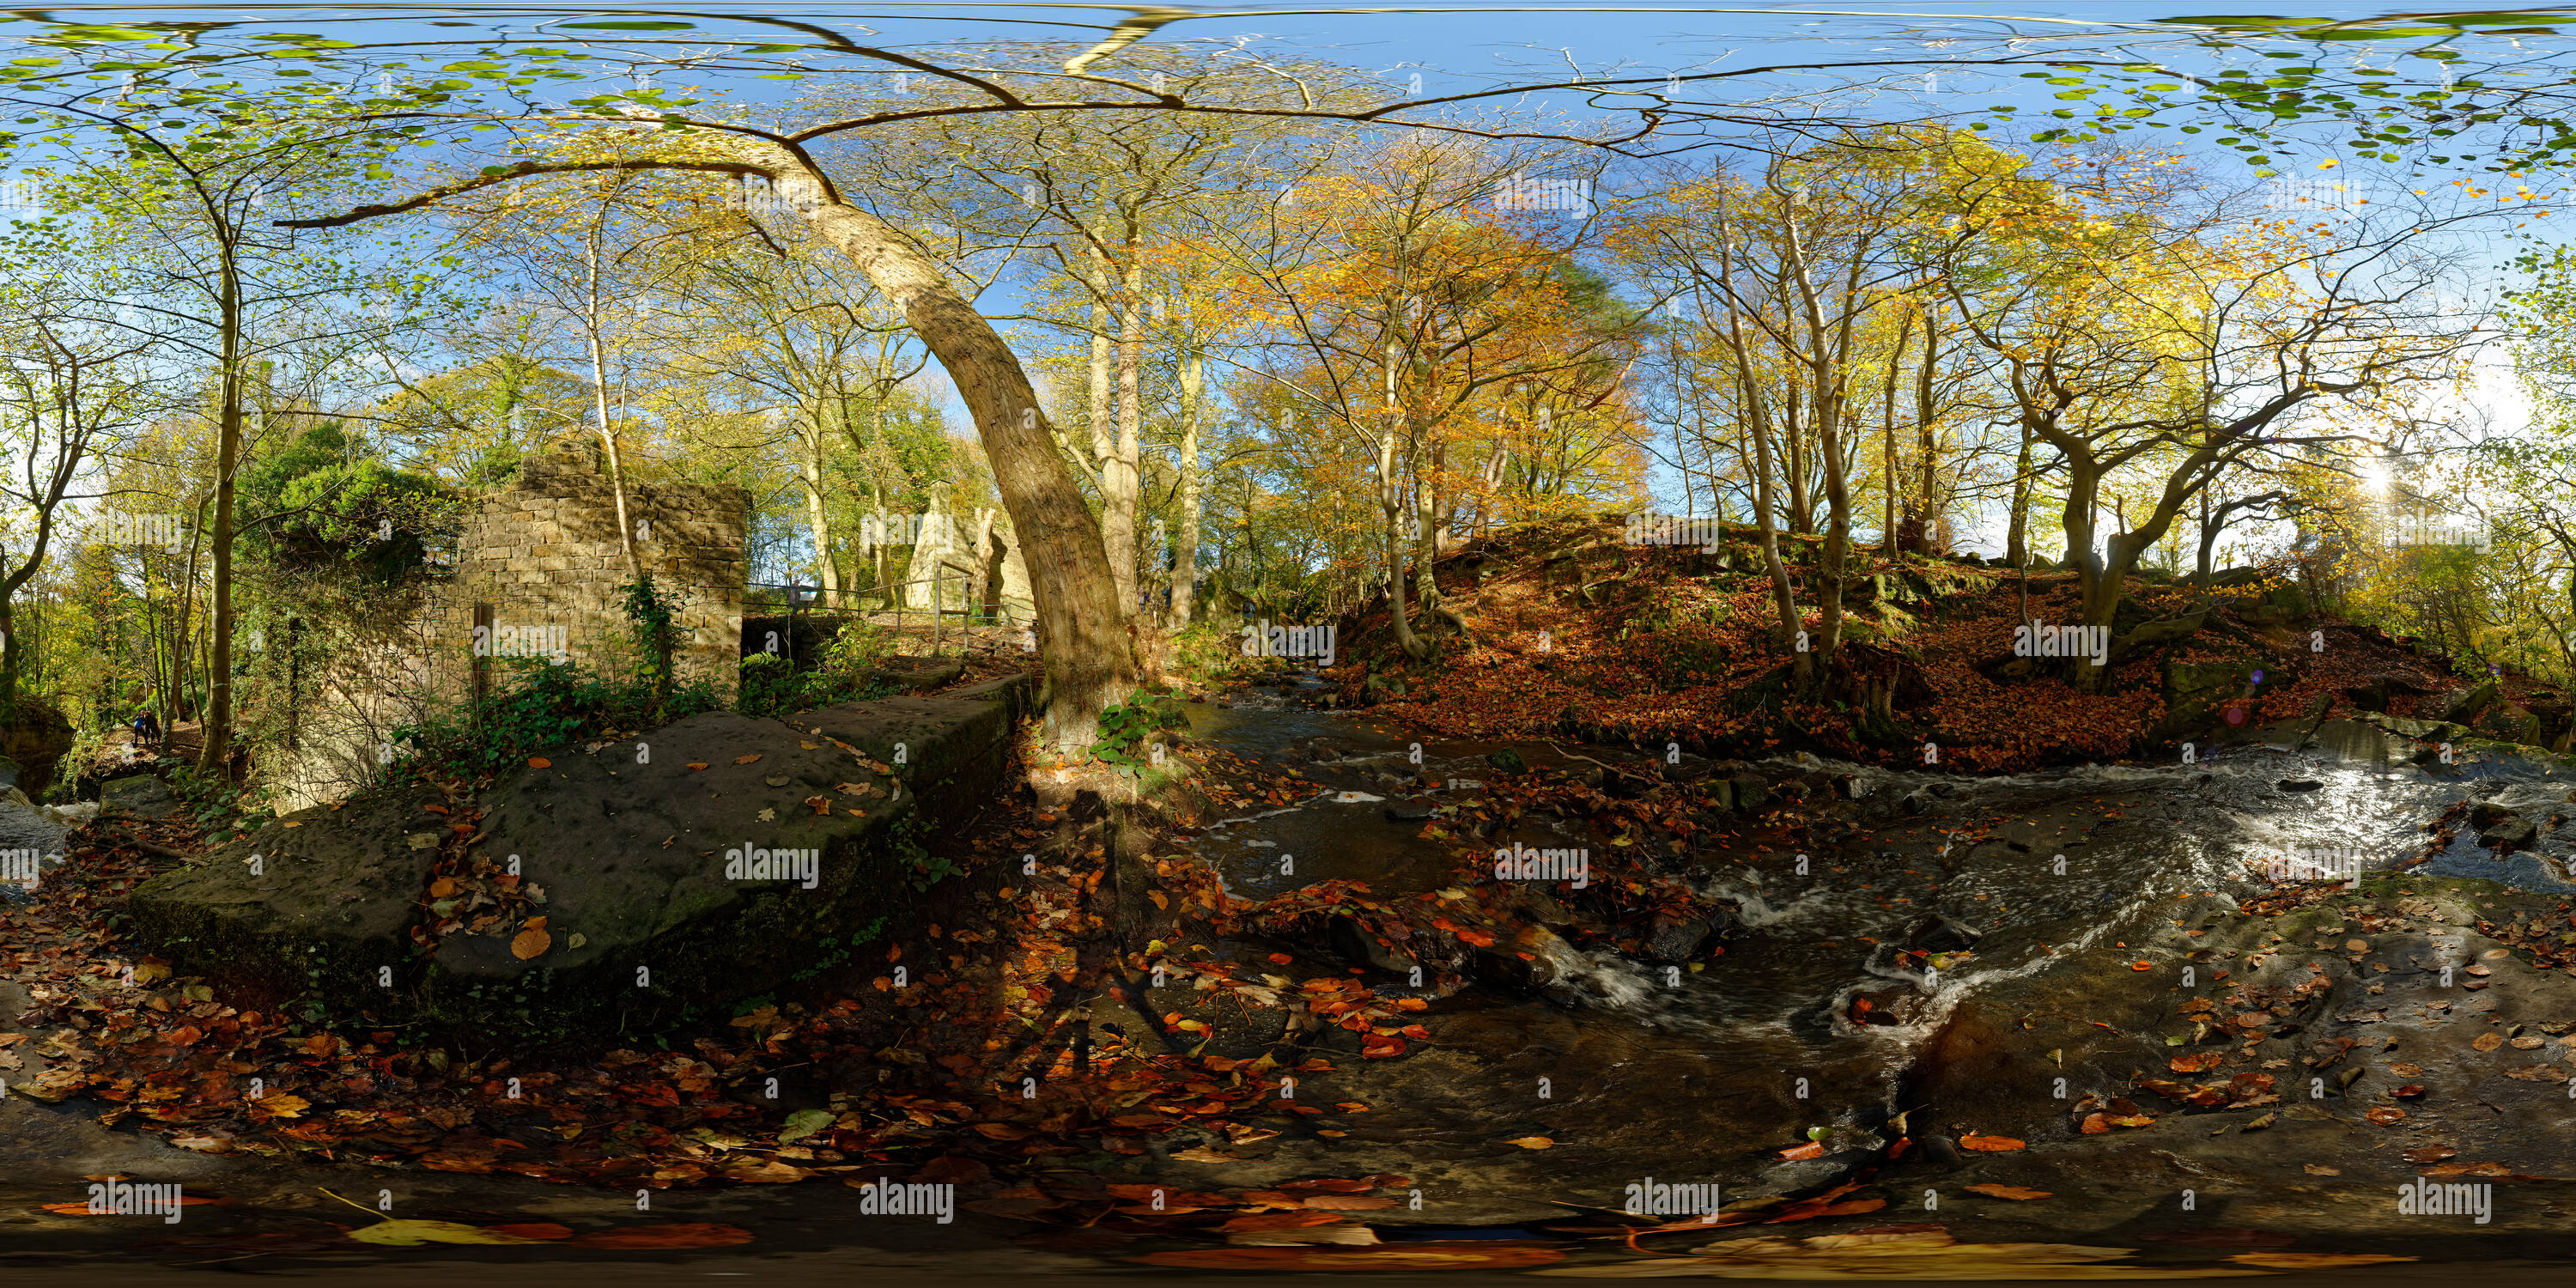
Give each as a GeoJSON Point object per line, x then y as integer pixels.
{"type": "Point", "coordinates": [1995, 1191]}
{"type": "Point", "coordinates": [697, 764]}
{"type": "Point", "coordinates": [1531, 1142]}
{"type": "Point", "coordinates": [530, 943]}
{"type": "Point", "coordinates": [745, 760]}
{"type": "Point", "coordinates": [2200, 1063]}
{"type": "Point", "coordinates": [1277, 1221]}
{"type": "Point", "coordinates": [540, 762]}
{"type": "Point", "coordinates": [1812, 1149]}
{"type": "Point", "coordinates": [1990, 1144]}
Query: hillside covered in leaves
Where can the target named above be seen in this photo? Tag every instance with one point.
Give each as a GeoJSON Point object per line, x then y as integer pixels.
{"type": "Point", "coordinates": [1571, 632]}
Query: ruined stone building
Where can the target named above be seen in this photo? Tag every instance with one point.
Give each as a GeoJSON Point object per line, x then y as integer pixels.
{"type": "Point", "coordinates": [536, 573]}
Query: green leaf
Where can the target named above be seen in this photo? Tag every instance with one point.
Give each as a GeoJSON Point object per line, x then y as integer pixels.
{"type": "Point", "coordinates": [629, 26]}
{"type": "Point", "coordinates": [804, 1123]}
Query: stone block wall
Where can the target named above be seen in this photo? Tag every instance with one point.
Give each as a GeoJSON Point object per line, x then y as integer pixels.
{"type": "Point", "coordinates": [542, 556]}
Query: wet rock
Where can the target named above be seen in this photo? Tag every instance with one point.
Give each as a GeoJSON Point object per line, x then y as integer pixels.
{"type": "Point", "coordinates": [1676, 939]}
{"type": "Point", "coordinates": [1940, 934]}
{"type": "Point", "coordinates": [2298, 784]}
{"type": "Point", "coordinates": [1541, 967]}
{"type": "Point", "coordinates": [1228, 1026]}
{"type": "Point", "coordinates": [24, 827]}
{"type": "Point", "coordinates": [1751, 792]}
{"type": "Point", "coordinates": [1506, 761]}
{"type": "Point", "coordinates": [1891, 1006]}
{"type": "Point", "coordinates": [1360, 948]}
{"type": "Point", "coordinates": [2512, 833]}
{"type": "Point", "coordinates": [1530, 903]}
{"type": "Point", "coordinates": [36, 741]}
{"type": "Point", "coordinates": [1942, 1152]}
{"type": "Point", "coordinates": [1410, 811]}
{"type": "Point", "coordinates": [2465, 705]}
{"type": "Point", "coordinates": [2486, 814]}
{"type": "Point", "coordinates": [2197, 692]}
{"type": "Point", "coordinates": [141, 795]}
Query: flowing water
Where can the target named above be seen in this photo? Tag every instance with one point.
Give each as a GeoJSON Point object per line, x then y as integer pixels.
{"type": "Point", "coordinates": [2038, 865]}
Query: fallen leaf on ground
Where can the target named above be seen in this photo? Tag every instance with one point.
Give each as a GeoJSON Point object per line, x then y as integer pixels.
{"type": "Point", "coordinates": [540, 762]}
{"type": "Point", "coordinates": [1530, 1142]}
{"type": "Point", "coordinates": [1993, 1144]}
{"type": "Point", "coordinates": [745, 760]}
{"type": "Point", "coordinates": [530, 943]}
{"type": "Point", "coordinates": [1992, 1190]}
{"type": "Point", "coordinates": [412, 1234]}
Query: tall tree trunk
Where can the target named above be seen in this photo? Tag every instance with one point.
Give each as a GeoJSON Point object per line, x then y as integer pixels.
{"type": "Point", "coordinates": [2017, 530]}
{"type": "Point", "coordinates": [1391, 505]}
{"type": "Point", "coordinates": [596, 321]}
{"type": "Point", "coordinates": [1119, 520]}
{"type": "Point", "coordinates": [1887, 540]}
{"type": "Point", "coordinates": [1185, 546]}
{"type": "Point", "coordinates": [819, 519]}
{"type": "Point", "coordinates": [217, 728]}
{"type": "Point", "coordinates": [1757, 427]}
{"type": "Point", "coordinates": [1930, 500]}
{"type": "Point", "coordinates": [1802, 510]}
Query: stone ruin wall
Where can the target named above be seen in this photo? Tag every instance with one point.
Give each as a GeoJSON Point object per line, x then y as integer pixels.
{"type": "Point", "coordinates": [539, 564]}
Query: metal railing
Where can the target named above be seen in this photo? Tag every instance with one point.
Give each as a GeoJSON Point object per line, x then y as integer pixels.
{"type": "Point", "coordinates": [947, 573]}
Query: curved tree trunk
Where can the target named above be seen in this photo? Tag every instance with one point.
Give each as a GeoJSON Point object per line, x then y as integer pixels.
{"type": "Point", "coordinates": [1087, 652]}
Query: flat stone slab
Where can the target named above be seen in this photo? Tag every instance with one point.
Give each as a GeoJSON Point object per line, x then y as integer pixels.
{"type": "Point", "coordinates": [141, 794]}
{"type": "Point", "coordinates": [714, 858]}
